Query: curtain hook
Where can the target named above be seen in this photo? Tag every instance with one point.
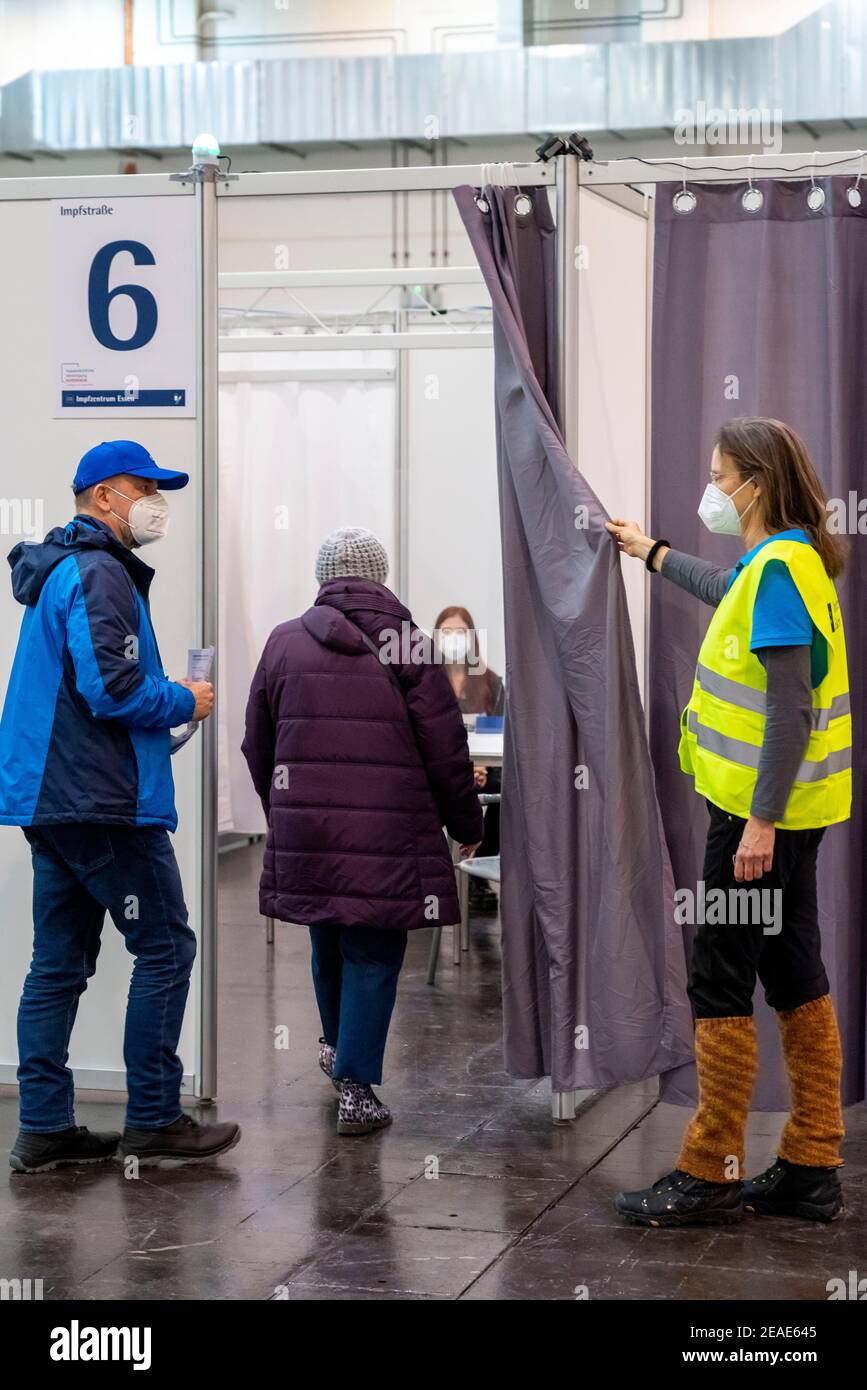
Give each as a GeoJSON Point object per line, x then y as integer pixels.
{"type": "Point", "coordinates": [481, 201]}
{"type": "Point", "coordinates": [684, 200]}
{"type": "Point", "coordinates": [752, 197]}
{"type": "Point", "coordinates": [854, 195]}
{"type": "Point", "coordinates": [523, 203]}
{"type": "Point", "coordinates": [816, 195]}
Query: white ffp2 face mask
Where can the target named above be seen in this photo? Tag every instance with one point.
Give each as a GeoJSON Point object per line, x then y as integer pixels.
{"type": "Point", "coordinates": [454, 645]}
{"type": "Point", "coordinates": [718, 511]}
{"type": "Point", "coordinates": [148, 518]}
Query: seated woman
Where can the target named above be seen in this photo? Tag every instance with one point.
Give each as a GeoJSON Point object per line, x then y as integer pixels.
{"type": "Point", "coordinates": [479, 690]}
{"type": "Point", "coordinates": [359, 762]}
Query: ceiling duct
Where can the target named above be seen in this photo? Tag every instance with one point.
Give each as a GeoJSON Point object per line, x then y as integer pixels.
{"type": "Point", "coordinates": [597, 21]}
{"type": "Point", "coordinates": [814, 72]}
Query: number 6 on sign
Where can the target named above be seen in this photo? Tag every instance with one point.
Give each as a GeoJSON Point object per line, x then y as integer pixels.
{"type": "Point", "coordinates": [99, 297]}
{"type": "Point", "coordinates": [126, 305]}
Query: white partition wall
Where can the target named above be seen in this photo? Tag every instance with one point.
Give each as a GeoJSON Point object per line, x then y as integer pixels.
{"type": "Point", "coordinates": [38, 456]}
{"type": "Point", "coordinates": [344, 403]}
{"type": "Point", "coordinates": [305, 446]}
{"type": "Point", "coordinates": [389, 424]}
{"type": "Point", "coordinates": [453, 521]}
{"type": "Point", "coordinates": [613, 282]}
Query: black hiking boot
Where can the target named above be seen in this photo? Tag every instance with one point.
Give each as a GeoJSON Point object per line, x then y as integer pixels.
{"type": "Point", "coordinates": [793, 1189]}
{"type": "Point", "coordinates": [679, 1199]}
{"type": "Point", "coordinates": [183, 1141]}
{"type": "Point", "coordinates": [39, 1153]}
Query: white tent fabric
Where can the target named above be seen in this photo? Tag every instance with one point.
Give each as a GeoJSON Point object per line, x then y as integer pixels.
{"type": "Point", "coordinates": [298, 458]}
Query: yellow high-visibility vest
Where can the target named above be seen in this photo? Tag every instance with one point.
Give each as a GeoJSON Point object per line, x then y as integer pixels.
{"type": "Point", "coordinates": [723, 725]}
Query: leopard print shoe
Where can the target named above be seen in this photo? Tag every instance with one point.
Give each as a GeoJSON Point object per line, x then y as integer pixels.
{"type": "Point", "coordinates": [360, 1111]}
{"type": "Point", "coordinates": [327, 1054]}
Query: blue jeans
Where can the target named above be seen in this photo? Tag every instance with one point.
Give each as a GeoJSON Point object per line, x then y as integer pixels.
{"type": "Point", "coordinates": [355, 972]}
{"type": "Point", "coordinates": [80, 872]}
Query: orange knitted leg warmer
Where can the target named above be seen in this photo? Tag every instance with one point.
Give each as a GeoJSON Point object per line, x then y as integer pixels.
{"type": "Point", "coordinates": [727, 1058]}
{"type": "Point", "coordinates": [814, 1061]}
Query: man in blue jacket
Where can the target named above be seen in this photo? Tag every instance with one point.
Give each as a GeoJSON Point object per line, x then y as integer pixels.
{"type": "Point", "coordinates": [85, 770]}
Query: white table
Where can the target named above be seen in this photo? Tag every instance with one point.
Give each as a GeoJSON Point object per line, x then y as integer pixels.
{"type": "Point", "coordinates": [485, 749]}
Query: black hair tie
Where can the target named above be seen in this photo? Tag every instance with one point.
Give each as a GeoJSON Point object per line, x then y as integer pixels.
{"type": "Point", "coordinates": [652, 552]}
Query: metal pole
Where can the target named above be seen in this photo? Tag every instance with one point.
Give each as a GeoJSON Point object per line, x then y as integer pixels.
{"type": "Point", "coordinates": [208, 482]}
{"type": "Point", "coordinates": [720, 168]}
{"type": "Point", "coordinates": [401, 465]}
{"type": "Point", "coordinates": [414, 178]}
{"type": "Point", "coordinates": [563, 1102]}
{"type": "Point", "coordinates": [648, 403]}
{"type": "Point", "coordinates": [567, 300]}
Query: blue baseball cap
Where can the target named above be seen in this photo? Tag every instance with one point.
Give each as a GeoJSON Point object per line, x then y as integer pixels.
{"type": "Point", "coordinates": [115, 456]}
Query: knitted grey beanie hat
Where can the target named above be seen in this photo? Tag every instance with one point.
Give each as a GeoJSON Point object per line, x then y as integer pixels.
{"type": "Point", "coordinates": [352, 552]}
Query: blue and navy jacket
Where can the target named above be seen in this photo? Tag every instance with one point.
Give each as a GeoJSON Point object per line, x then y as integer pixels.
{"type": "Point", "coordinates": [85, 729]}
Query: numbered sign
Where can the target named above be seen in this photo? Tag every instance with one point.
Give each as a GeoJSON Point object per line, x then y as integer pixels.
{"type": "Point", "coordinates": [125, 297]}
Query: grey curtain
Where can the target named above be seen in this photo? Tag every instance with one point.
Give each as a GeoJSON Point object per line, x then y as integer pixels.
{"type": "Point", "coordinates": [760, 314]}
{"type": "Point", "coordinates": [593, 963]}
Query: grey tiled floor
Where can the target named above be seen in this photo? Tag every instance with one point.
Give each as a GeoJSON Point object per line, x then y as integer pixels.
{"type": "Point", "coordinates": [518, 1209]}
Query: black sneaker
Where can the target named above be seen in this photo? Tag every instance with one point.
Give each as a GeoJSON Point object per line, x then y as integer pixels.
{"type": "Point", "coordinates": [679, 1199]}
{"type": "Point", "coordinates": [183, 1141]}
{"type": "Point", "coordinates": [793, 1189]}
{"type": "Point", "coordinates": [38, 1153]}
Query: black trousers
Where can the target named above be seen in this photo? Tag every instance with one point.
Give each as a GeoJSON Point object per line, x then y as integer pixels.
{"type": "Point", "coordinates": [773, 935]}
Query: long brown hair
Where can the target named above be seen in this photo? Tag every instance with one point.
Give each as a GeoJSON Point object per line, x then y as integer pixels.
{"type": "Point", "coordinates": [773, 456]}
{"type": "Point", "coordinates": [487, 677]}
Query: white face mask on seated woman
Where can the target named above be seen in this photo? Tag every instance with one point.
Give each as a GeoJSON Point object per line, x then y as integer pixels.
{"type": "Point", "coordinates": [454, 644]}
{"type": "Point", "coordinates": [718, 511]}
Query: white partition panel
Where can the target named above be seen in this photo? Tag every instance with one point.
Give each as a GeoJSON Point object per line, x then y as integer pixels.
{"type": "Point", "coordinates": [612, 371]}
{"type": "Point", "coordinates": [453, 520]}
{"type": "Point", "coordinates": [305, 447]}
{"type": "Point", "coordinates": [38, 456]}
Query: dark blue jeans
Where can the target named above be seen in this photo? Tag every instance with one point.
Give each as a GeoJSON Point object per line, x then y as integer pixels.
{"type": "Point", "coordinates": [80, 872]}
{"type": "Point", "coordinates": [355, 972]}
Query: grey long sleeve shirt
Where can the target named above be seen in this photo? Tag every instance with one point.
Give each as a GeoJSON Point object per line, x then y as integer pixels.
{"type": "Point", "coordinates": [789, 694]}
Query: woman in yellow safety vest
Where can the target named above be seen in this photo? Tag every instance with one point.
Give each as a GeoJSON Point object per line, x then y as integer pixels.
{"type": "Point", "coordinates": [767, 738]}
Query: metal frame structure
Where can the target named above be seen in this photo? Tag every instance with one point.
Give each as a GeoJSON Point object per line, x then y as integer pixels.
{"type": "Point", "coordinates": [96, 186]}
{"type": "Point", "coordinates": [415, 178]}
{"type": "Point", "coordinates": [209, 475]}
{"type": "Point", "coordinates": [627, 182]}
{"type": "Point", "coordinates": [357, 342]}
{"type": "Point", "coordinates": [719, 168]}
{"type": "Point", "coordinates": [619, 180]}
{"type": "Point", "coordinates": [560, 175]}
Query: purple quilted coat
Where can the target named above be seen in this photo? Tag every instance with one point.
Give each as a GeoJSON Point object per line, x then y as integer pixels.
{"type": "Point", "coordinates": [357, 774]}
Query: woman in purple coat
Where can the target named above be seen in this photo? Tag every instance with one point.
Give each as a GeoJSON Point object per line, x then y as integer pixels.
{"type": "Point", "coordinates": [356, 746]}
